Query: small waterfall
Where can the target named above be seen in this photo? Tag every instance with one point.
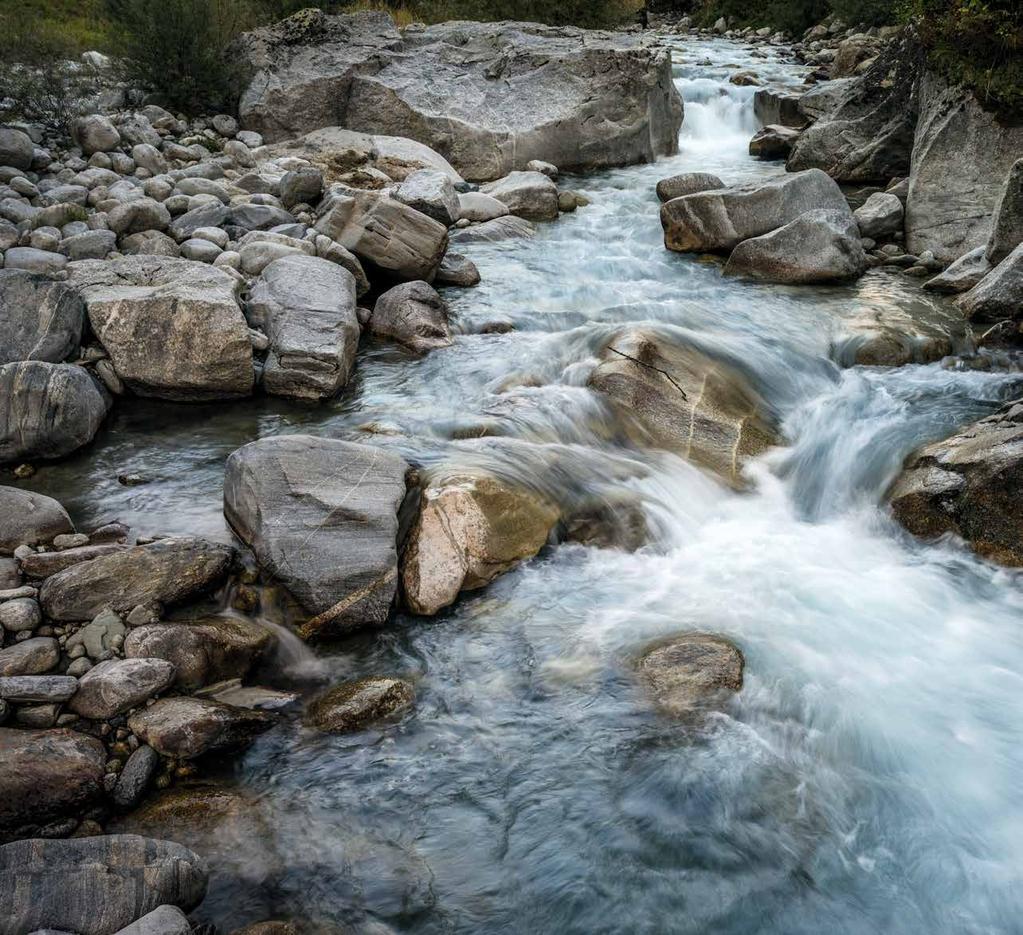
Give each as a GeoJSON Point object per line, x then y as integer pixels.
{"type": "Point", "coordinates": [719, 116]}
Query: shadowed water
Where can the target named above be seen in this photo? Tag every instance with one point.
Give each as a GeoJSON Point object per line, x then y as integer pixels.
{"type": "Point", "coordinates": [865, 780]}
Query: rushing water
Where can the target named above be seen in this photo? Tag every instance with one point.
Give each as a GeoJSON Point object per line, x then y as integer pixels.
{"type": "Point", "coordinates": [865, 780]}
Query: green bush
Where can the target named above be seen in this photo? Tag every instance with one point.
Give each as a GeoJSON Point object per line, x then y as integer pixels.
{"type": "Point", "coordinates": [865, 12]}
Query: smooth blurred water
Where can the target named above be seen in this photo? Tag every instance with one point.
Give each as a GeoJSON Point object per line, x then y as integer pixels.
{"type": "Point", "coordinates": [865, 780]}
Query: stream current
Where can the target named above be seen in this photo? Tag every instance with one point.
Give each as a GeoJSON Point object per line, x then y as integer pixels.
{"type": "Point", "coordinates": [867, 777]}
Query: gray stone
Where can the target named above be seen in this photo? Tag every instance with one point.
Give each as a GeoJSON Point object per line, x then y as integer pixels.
{"type": "Point", "coordinates": [96, 134]}
{"type": "Point", "coordinates": [336, 551]}
{"type": "Point", "coordinates": [818, 246]}
{"type": "Point", "coordinates": [151, 243]}
{"type": "Point", "coordinates": [529, 195]}
{"type": "Point", "coordinates": [306, 306]}
{"type": "Point", "coordinates": [1007, 225]}
{"type": "Point", "coordinates": [164, 920]}
{"type": "Point", "coordinates": [35, 688]}
{"type": "Point", "coordinates": [95, 885]}
{"type": "Point", "coordinates": [134, 778]}
{"type": "Point", "coordinates": [172, 327]}
{"type": "Point", "coordinates": [16, 148]}
{"type": "Point", "coordinates": [773, 142]}
{"type": "Point", "coordinates": [772, 106]}
{"type": "Point", "coordinates": [433, 193]}
{"type": "Point", "coordinates": [963, 274]}
{"type": "Point", "coordinates": [39, 319]}
{"type": "Point", "coordinates": [51, 410]}
{"type": "Point", "coordinates": [879, 216]}
{"type": "Point", "coordinates": [413, 314]}
{"type": "Point", "coordinates": [135, 217]}
{"type": "Point", "coordinates": [479, 206]}
{"type": "Point", "coordinates": [89, 245]}
{"type": "Point", "coordinates": [491, 97]}
{"type": "Point", "coordinates": [354, 705]}
{"type": "Point", "coordinates": [44, 775]}
{"type": "Point", "coordinates": [44, 564]}
{"type": "Point", "coordinates": [100, 636]}
{"type": "Point", "coordinates": [302, 186]}
{"type": "Point", "coordinates": [20, 614]}
{"type": "Point", "coordinates": [720, 219]}
{"type": "Point", "coordinates": [118, 685]}
{"type": "Point", "coordinates": [202, 251]}
{"type": "Point", "coordinates": [28, 518]}
{"type": "Point", "coordinates": [187, 728]}
{"type": "Point", "coordinates": [999, 295]}
{"type": "Point", "coordinates": [169, 571]}
{"type": "Point", "coordinates": [185, 225]}
{"type": "Point", "coordinates": [503, 228]}
{"type": "Point", "coordinates": [147, 156]}
{"type": "Point", "coordinates": [32, 260]}
{"type": "Point", "coordinates": [456, 270]}
{"type": "Point", "coordinates": [687, 183]}
{"type": "Point", "coordinates": [692, 671]}
{"type": "Point", "coordinates": [328, 249]}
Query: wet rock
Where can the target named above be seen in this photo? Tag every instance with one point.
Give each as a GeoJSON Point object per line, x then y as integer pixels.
{"type": "Point", "coordinates": [398, 241]}
{"type": "Point", "coordinates": [969, 485]}
{"type": "Point", "coordinates": [169, 571]}
{"type": "Point", "coordinates": [503, 228]}
{"type": "Point", "coordinates": [94, 885]}
{"type": "Point", "coordinates": [529, 195]}
{"type": "Point", "coordinates": [961, 158]}
{"type": "Point", "coordinates": [165, 920]}
{"type": "Point", "coordinates": [204, 651]}
{"type": "Point", "coordinates": [456, 270]}
{"type": "Point", "coordinates": [39, 319]}
{"type": "Point", "coordinates": [20, 614]}
{"type": "Point", "coordinates": [891, 338]}
{"type": "Point", "coordinates": [773, 142]}
{"type": "Point", "coordinates": [44, 564]}
{"type": "Point", "coordinates": [321, 516]}
{"type": "Point", "coordinates": [490, 96]}
{"type": "Point", "coordinates": [433, 193]}
{"type": "Point", "coordinates": [961, 275]}
{"type": "Point", "coordinates": [28, 518]}
{"type": "Point", "coordinates": [771, 106]}
{"type": "Point", "coordinates": [50, 410]}
{"type": "Point", "coordinates": [187, 728]}
{"type": "Point", "coordinates": [879, 216]}
{"type": "Point", "coordinates": [671, 395]}
{"type": "Point", "coordinates": [1007, 224]}
{"type": "Point", "coordinates": [354, 705]}
{"type": "Point", "coordinates": [412, 314]}
{"type": "Point", "coordinates": [134, 778]}
{"type": "Point", "coordinates": [172, 327]}
{"type": "Point", "coordinates": [999, 295]}
{"type": "Point", "coordinates": [721, 219]}
{"type": "Point", "coordinates": [470, 529]}
{"type": "Point", "coordinates": [118, 685]}
{"type": "Point", "coordinates": [691, 671]}
{"type": "Point", "coordinates": [99, 637]}
{"type": "Point", "coordinates": [818, 246]}
{"type": "Point", "coordinates": [30, 657]}
{"type": "Point", "coordinates": [37, 688]}
{"type": "Point", "coordinates": [45, 775]}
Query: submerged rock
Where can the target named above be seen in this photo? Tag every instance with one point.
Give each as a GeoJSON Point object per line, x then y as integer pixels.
{"type": "Point", "coordinates": [354, 705]}
{"type": "Point", "coordinates": [891, 337]}
{"type": "Point", "coordinates": [672, 395]}
{"type": "Point", "coordinates": [470, 529]}
{"type": "Point", "coordinates": [28, 518]}
{"type": "Point", "coordinates": [321, 516]}
{"type": "Point", "coordinates": [691, 671]}
{"type": "Point", "coordinates": [39, 319]}
{"type": "Point", "coordinates": [95, 885]}
{"type": "Point", "coordinates": [412, 314]}
{"type": "Point", "coordinates": [970, 485]}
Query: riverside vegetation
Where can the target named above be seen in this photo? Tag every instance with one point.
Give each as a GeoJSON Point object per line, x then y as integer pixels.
{"type": "Point", "coordinates": [490, 476]}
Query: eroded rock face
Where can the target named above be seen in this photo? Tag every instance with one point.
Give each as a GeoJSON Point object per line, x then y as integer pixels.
{"type": "Point", "coordinates": [691, 671]}
{"type": "Point", "coordinates": [1007, 225]}
{"type": "Point", "coordinates": [470, 529]}
{"type": "Point", "coordinates": [357, 704]}
{"type": "Point", "coordinates": [321, 516]}
{"type": "Point", "coordinates": [306, 306]}
{"type": "Point", "coordinates": [818, 246]}
{"type": "Point", "coordinates": [39, 319]}
{"type": "Point", "coordinates": [718, 220]}
{"type": "Point", "coordinates": [168, 571]}
{"type": "Point", "coordinates": [49, 410]}
{"type": "Point", "coordinates": [45, 775]}
{"type": "Point", "coordinates": [172, 327]}
{"type": "Point", "coordinates": [673, 396]}
{"type": "Point", "coordinates": [412, 314]}
{"type": "Point", "coordinates": [489, 97]}
{"type": "Point", "coordinates": [94, 886]}
{"type": "Point", "coordinates": [28, 518]}
{"type": "Point", "coordinates": [961, 159]}
{"type": "Point", "coordinates": [187, 728]}
{"type": "Point", "coordinates": [969, 485]}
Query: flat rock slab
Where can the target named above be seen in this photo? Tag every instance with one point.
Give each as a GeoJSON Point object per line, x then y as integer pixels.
{"type": "Point", "coordinates": [94, 886]}
{"type": "Point", "coordinates": [33, 656]}
{"type": "Point", "coordinates": [169, 571]}
{"type": "Point", "coordinates": [52, 689]}
{"type": "Point", "coordinates": [44, 564]}
{"type": "Point", "coordinates": [28, 518]}
{"type": "Point", "coordinates": [187, 728]}
{"type": "Point", "coordinates": [39, 319]}
{"type": "Point", "coordinates": [44, 775]}
{"type": "Point", "coordinates": [321, 516]}
{"type": "Point", "coordinates": [50, 410]}
{"type": "Point", "coordinates": [172, 327]}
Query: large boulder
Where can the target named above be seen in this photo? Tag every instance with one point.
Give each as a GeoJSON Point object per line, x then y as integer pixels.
{"type": "Point", "coordinates": [471, 527]}
{"type": "Point", "coordinates": [999, 295]}
{"type": "Point", "coordinates": [28, 518]}
{"type": "Point", "coordinates": [1007, 225]}
{"type": "Point", "coordinates": [687, 183]}
{"type": "Point", "coordinates": [671, 395]}
{"type": "Point", "coordinates": [412, 314]}
{"type": "Point", "coordinates": [203, 651]}
{"type": "Point", "coordinates": [864, 126]}
{"type": "Point", "coordinates": [778, 107]}
{"type": "Point", "coordinates": [818, 246]}
{"type": "Point", "coordinates": [961, 158]}
{"type": "Point", "coordinates": [169, 571]}
{"type": "Point", "coordinates": [116, 686]}
{"type": "Point", "coordinates": [306, 306]}
{"type": "Point", "coordinates": [39, 319]}
{"type": "Point", "coordinates": [186, 728]}
{"type": "Point", "coordinates": [172, 327]}
{"type": "Point", "coordinates": [961, 275]}
{"type": "Point", "coordinates": [489, 97]}
{"type": "Point", "coordinates": [969, 485]}
{"type": "Point", "coordinates": [688, 672]}
{"type": "Point", "coordinates": [46, 775]}
{"type": "Point", "coordinates": [321, 516]}
{"type": "Point", "coordinates": [718, 220]}
{"type": "Point", "coordinates": [529, 195]}
{"type": "Point", "coordinates": [49, 410]}
{"type": "Point", "coordinates": [354, 705]}
{"type": "Point", "coordinates": [397, 241]}
{"type": "Point", "coordinates": [95, 885]}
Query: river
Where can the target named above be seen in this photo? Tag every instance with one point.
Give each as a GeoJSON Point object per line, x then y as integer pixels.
{"type": "Point", "coordinates": [867, 777]}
